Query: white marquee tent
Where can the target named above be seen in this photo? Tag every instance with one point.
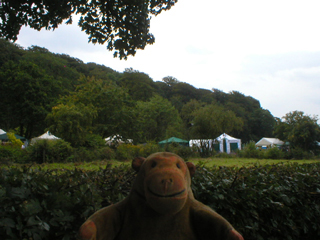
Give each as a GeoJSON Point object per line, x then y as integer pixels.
{"type": "Point", "coordinates": [2, 132]}
{"type": "Point", "coordinates": [269, 142]}
{"type": "Point", "coordinates": [226, 143]}
{"type": "Point", "coordinates": [229, 142]}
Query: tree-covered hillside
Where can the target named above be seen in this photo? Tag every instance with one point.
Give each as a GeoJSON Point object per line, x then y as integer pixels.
{"type": "Point", "coordinates": [77, 101]}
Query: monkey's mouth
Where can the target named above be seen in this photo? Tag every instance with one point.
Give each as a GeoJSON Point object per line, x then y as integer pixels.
{"type": "Point", "coordinates": [166, 196]}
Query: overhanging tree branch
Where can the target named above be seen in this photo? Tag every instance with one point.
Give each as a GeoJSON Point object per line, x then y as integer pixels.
{"type": "Point", "coordinates": [122, 24]}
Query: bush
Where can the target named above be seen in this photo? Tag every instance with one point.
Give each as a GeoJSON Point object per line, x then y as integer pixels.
{"type": "Point", "coordinates": [299, 153]}
{"type": "Point", "coordinates": [49, 151]}
{"type": "Point", "coordinates": [127, 151]}
{"type": "Point", "coordinates": [107, 153]}
{"type": "Point", "coordinates": [148, 148]}
{"type": "Point", "coordinates": [250, 151]}
{"type": "Point", "coordinates": [94, 141]}
{"type": "Point", "coordinates": [272, 153]}
{"type": "Point", "coordinates": [182, 151]}
{"type": "Point", "coordinates": [10, 153]}
{"type": "Point", "coordinates": [15, 142]}
{"type": "Point", "coordinates": [270, 202]}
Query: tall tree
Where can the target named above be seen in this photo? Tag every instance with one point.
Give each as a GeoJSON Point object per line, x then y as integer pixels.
{"type": "Point", "coordinates": [157, 119]}
{"type": "Point", "coordinates": [71, 122]}
{"type": "Point", "coordinates": [54, 65]}
{"type": "Point", "coordinates": [300, 130]}
{"type": "Point", "coordinates": [124, 25]}
{"type": "Point", "coordinates": [212, 120]}
{"type": "Point", "coordinates": [139, 85]}
{"type": "Point", "coordinates": [27, 95]}
{"type": "Point", "coordinates": [181, 93]}
{"type": "Point", "coordinates": [10, 52]}
{"type": "Point", "coordinates": [187, 115]}
{"type": "Point", "coordinates": [112, 103]}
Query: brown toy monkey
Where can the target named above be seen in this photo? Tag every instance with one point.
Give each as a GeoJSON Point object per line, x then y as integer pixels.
{"type": "Point", "coordinates": [160, 206]}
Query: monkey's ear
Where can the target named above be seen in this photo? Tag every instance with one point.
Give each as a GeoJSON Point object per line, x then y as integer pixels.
{"type": "Point", "coordinates": [137, 162]}
{"type": "Point", "coordinates": [192, 168]}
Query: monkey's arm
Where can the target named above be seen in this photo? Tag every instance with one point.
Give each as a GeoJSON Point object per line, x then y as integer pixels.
{"type": "Point", "coordinates": [103, 224]}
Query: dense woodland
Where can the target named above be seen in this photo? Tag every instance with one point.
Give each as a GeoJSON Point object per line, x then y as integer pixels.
{"type": "Point", "coordinates": [78, 101]}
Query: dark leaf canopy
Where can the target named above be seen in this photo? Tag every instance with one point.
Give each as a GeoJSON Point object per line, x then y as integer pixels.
{"type": "Point", "coordinates": [122, 24]}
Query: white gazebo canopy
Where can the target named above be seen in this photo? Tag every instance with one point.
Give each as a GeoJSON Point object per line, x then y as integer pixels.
{"type": "Point", "coordinates": [269, 142]}
{"type": "Point", "coordinates": [47, 136]}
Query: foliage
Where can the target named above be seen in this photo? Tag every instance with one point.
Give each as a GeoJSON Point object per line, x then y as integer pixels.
{"type": "Point", "coordinates": [139, 85]}
{"type": "Point", "coordinates": [15, 142]}
{"type": "Point", "coordinates": [301, 131]}
{"type": "Point", "coordinates": [28, 93]}
{"type": "Point", "coordinates": [94, 141]}
{"type": "Point", "coordinates": [10, 154]}
{"type": "Point", "coordinates": [148, 148]}
{"type": "Point", "coordinates": [49, 151]}
{"type": "Point", "coordinates": [110, 106]}
{"type": "Point", "coordinates": [273, 153]}
{"type": "Point", "coordinates": [40, 204]}
{"type": "Point", "coordinates": [157, 119]}
{"type": "Point", "coordinates": [125, 27]}
{"type": "Point", "coordinates": [183, 151]}
{"type": "Point", "coordinates": [262, 202]}
{"type": "Point", "coordinates": [71, 121]}
{"type": "Point", "coordinates": [258, 122]}
{"type": "Point", "coordinates": [271, 202]}
{"type": "Point", "coordinates": [107, 153]}
{"type": "Point", "coordinates": [127, 152]}
{"type": "Point", "coordinates": [212, 120]}
{"type": "Point", "coordinates": [250, 151]}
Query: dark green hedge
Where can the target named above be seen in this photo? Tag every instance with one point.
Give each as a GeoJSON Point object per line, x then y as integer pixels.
{"type": "Point", "coordinates": [262, 202]}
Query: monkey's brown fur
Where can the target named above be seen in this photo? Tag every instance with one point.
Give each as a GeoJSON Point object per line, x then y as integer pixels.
{"type": "Point", "coordinates": [160, 206]}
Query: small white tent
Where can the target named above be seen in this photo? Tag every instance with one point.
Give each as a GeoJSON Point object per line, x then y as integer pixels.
{"type": "Point", "coordinates": [2, 132]}
{"type": "Point", "coordinates": [231, 143]}
{"type": "Point", "coordinates": [269, 142]}
{"type": "Point", "coordinates": [47, 135]}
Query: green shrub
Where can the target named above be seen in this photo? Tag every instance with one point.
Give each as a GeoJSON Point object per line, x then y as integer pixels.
{"type": "Point", "coordinates": [273, 153]}
{"type": "Point", "coordinates": [127, 151]}
{"type": "Point", "coordinates": [6, 153]}
{"type": "Point", "coordinates": [37, 204]}
{"type": "Point", "coordinates": [148, 148]}
{"type": "Point", "coordinates": [82, 154]}
{"type": "Point", "coordinates": [250, 151]}
{"type": "Point", "coordinates": [94, 141]}
{"type": "Point", "coordinates": [299, 153]}
{"type": "Point", "coordinates": [270, 202]}
{"type": "Point", "coordinates": [49, 151]}
{"type": "Point", "coordinates": [11, 154]}
{"type": "Point", "coordinates": [106, 153]}
{"type": "Point", "coordinates": [15, 142]}
{"type": "Point", "coordinates": [182, 151]}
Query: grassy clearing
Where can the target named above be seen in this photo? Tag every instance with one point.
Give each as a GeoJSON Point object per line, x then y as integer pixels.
{"type": "Point", "coordinates": [209, 162]}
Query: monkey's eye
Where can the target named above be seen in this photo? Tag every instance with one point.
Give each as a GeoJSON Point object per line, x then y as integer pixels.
{"type": "Point", "coordinates": [153, 164]}
{"type": "Point", "coordinates": [178, 165]}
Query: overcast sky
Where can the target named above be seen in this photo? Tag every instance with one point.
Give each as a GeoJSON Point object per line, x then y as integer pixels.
{"type": "Point", "coordinates": [269, 50]}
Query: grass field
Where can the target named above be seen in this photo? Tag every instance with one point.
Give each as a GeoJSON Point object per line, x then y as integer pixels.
{"type": "Point", "coordinates": [209, 162]}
